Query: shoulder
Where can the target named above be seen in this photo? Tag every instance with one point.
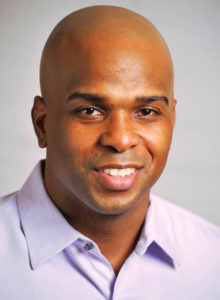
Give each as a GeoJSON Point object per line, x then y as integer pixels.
{"type": "Point", "coordinates": [183, 214]}
{"type": "Point", "coordinates": [190, 231]}
{"type": "Point", "coordinates": [8, 206]}
{"type": "Point", "coordinates": [195, 241]}
{"type": "Point", "coordinates": [192, 242]}
{"type": "Point", "coordinates": [9, 216]}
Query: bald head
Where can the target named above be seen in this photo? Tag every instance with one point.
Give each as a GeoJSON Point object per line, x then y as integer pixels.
{"type": "Point", "coordinates": [107, 84]}
{"type": "Point", "coordinates": [99, 31]}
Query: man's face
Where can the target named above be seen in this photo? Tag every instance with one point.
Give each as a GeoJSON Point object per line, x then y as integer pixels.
{"type": "Point", "coordinates": [109, 124]}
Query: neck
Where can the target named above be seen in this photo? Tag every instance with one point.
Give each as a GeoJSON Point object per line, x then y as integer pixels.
{"type": "Point", "coordinates": [115, 235]}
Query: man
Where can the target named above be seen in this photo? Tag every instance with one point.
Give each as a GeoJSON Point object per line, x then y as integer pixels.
{"type": "Point", "coordinates": [85, 225]}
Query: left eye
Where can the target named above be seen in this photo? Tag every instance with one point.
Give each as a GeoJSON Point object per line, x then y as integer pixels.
{"type": "Point", "coordinates": [146, 112]}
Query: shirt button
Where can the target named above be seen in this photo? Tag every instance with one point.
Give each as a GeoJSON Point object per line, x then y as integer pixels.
{"type": "Point", "coordinates": [88, 246]}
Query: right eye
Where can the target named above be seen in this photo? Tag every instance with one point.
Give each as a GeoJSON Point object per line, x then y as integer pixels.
{"type": "Point", "coordinates": [89, 113]}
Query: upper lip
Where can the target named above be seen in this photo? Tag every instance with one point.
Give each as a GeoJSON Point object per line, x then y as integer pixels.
{"type": "Point", "coordinates": [118, 166]}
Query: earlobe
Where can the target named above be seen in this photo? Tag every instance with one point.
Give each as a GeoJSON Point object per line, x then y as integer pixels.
{"type": "Point", "coordinates": [39, 114]}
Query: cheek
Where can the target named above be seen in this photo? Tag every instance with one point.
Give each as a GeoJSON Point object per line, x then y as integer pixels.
{"type": "Point", "coordinates": [157, 139]}
{"type": "Point", "coordinates": [72, 141]}
{"type": "Point", "coordinates": [157, 143]}
{"type": "Point", "coordinates": [80, 138]}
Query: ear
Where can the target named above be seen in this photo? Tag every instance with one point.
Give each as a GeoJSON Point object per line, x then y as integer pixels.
{"type": "Point", "coordinates": [173, 116]}
{"type": "Point", "coordinates": [39, 114]}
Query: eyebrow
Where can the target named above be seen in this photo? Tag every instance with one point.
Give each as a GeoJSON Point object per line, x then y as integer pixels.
{"type": "Point", "coordinates": [99, 98]}
{"type": "Point", "coordinates": [152, 99]}
{"type": "Point", "coordinates": [90, 97]}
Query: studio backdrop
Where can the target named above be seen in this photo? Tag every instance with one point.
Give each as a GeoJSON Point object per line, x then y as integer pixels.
{"type": "Point", "coordinates": [192, 31]}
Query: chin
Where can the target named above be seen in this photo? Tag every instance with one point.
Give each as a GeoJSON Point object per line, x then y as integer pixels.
{"type": "Point", "coordinates": [115, 204]}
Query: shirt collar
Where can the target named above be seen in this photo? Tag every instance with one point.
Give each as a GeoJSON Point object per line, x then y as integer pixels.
{"type": "Point", "coordinates": [159, 229]}
{"type": "Point", "coordinates": [42, 221]}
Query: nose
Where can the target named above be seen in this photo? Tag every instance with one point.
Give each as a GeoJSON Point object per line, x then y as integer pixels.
{"type": "Point", "coordinates": [119, 135]}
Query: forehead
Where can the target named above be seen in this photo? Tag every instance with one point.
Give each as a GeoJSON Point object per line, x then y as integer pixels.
{"type": "Point", "coordinates": [115, 62]}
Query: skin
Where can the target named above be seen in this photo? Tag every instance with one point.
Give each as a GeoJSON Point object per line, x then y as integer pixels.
{"type": "Point", "coordinates": [99, 68]}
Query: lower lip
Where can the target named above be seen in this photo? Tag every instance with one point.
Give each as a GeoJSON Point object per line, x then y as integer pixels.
{"type": "Point", "coordinates": [115, 183]}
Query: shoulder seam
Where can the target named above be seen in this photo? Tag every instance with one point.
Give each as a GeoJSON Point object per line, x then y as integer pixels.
{"type": "Point", "coordinates": [190, 215]}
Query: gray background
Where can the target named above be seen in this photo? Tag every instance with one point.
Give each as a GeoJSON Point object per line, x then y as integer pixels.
{"type": "Point", "coordinates": [192, 31]}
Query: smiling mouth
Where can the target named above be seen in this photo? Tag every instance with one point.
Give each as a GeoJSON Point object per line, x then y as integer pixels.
{"type": "Point", "coordinates": [119, 172]}
{"type": "Point", "coordinates": [117, 178]}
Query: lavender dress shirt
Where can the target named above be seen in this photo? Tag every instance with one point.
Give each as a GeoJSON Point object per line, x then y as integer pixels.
{"type": "Point", "coordinates": [42, 257]}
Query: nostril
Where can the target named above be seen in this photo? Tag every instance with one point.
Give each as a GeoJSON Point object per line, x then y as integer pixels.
{"type": "Point", "coordinates": [113, 149]}
{"type": "Point", "coordinates": [119, 139]}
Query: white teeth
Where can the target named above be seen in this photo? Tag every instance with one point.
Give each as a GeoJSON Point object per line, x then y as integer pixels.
{"type": "Point", "coordinates": [113, 172]}
{"type": "Point", "coordinates": [120, 172]}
